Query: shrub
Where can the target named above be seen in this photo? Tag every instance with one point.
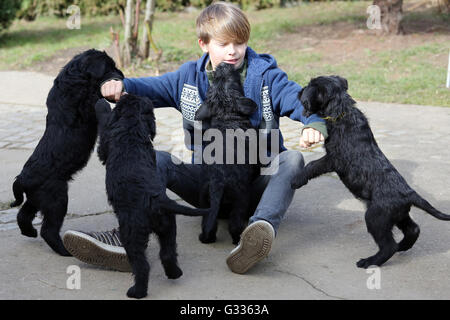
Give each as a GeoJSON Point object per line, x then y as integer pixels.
{"type": "Point", "coordinates": [8, 9]}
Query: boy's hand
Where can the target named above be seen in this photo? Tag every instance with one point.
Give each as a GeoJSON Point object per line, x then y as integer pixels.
{"type": "Point", "coordinates": [112, 90]}
{"type": "Point", "coordinates": [309, 137]}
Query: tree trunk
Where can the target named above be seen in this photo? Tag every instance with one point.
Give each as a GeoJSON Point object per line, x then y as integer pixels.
{"type": "Point", "coordinates": [131, 27]}
{"type": "Point", "coordinates": [127, 43]}
{"type": "Point", "coordinates": [144, 49]}
{"type": "Point", "coordinates": [444, 6]}
{"type": "Point", "coordinates": [391, 15]}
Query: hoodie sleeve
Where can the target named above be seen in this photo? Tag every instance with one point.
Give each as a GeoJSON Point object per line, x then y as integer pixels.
{"type": "Point", "coordinates": [285, 102]}
{"type": "Point", "coordinates": [162, 90]}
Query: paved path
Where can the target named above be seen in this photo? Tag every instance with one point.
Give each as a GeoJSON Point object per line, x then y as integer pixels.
{"type": "Point", "coordinates": [313, 257]}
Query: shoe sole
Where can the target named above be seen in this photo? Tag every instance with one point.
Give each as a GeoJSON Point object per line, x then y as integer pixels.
{"type": "Point", "coordinates": [255, 245]}
{"type": "Point", "coordinates": [92, 251]}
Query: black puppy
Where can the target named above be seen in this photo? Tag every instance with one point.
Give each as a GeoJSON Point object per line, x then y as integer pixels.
{"type": "Point", "coordinates": [352, 152]}
{"type": "Point", "coordinates": [134, 188]}
{"type": "Point", "coordinates": [65, 148]}
{"type": "Point", "coordinates": [227, 108]}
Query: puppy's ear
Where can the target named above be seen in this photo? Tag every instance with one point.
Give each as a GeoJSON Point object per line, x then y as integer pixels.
{"type": "Point", "coordinates": [246, 106]}
{"type": "Point", "coordinates": [203, 113]}
{"type": "Point", "coordinates": [320, 101]}
{"type": "Point", "coordinates": [102, 112]}
{"type": "Point", "coordinates": [321, 97]}
{"type": "Point", "coordinates": [102, 150]}
{"type": "Point", "coordinates": [146, 105]}
{"type": "Point", "coordinates": [335, 107]}
{"type": "Point", "coordinates": [312, 99]}
{"type": "Point", "coordinates": [102, 107]}
{"type": "Point", "coordinates": [152, 126]}
{"type": "Point", "coordinates": [95, 67]}
{"type": "Point", "coordinates": [148, 116]}
{"type": "Point", "coordinates": [343, 82]}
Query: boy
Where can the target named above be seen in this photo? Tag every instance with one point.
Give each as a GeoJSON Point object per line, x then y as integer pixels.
{"type": "Point", "coordinates": [223, 32]}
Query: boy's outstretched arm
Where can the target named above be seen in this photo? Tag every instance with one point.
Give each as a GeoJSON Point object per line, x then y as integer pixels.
{"type": "Point", "coordinates": [162, 90]}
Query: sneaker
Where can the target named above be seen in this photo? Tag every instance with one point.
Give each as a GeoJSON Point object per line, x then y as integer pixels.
{"type": "Point", "coordinates": [98, 248]}
{"type": "Point", "coordinates": [255, 244]}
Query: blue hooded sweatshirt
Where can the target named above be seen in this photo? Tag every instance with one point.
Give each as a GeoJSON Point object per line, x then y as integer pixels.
{"type": "Point", "coordinates": [266, 84]}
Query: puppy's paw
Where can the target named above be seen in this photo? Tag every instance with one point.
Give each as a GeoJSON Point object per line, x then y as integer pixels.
{"type": "Point", "coordinates": [61, 250]}
{"type": "Point", "coordinates": [173, 272]}
{"type": "Point", "coordinates": [133, 292]}
{"type": "Point", "coordinates": [365, 263]}
{"type": "Point", "coordinates": [65, 253]}
{"type": "Point", "coordinates": [102, 106]}
{"type": "Point", "coordinates": [29, 232]}
{"type": "Point", "coordinates": [102, 109]}
{"type": "Point", "coordinates": [207, 238]}
{"type": "Point", "coordinates": [14, 204]}
{"type": "Point", "coordinates": [299, 181]}
{"type": "Point", "coordinates": [236, 237]}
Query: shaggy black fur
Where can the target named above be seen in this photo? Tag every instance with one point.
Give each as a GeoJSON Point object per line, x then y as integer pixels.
{"type": "Point", "coordinates": [134, 188]}
{"type": "Point", "coordinates": [226, 107]}
{"type": "Point", "coordinates": [65, 147]}
{"type": "Point", "coordinates": [352, 152]}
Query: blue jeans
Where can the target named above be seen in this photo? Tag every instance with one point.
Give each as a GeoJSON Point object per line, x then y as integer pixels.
{"type": "Point", "coordinates": [271, 194]}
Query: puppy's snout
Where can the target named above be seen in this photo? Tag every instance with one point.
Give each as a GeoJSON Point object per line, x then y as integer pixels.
{"type": "Point", "coordinates": [306, 113]}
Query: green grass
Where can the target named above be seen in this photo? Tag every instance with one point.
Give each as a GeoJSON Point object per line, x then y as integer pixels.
{"type": "Point", "coordinates": [276, 20]}
{"type": "Point", "coordinates": [407, 75]}
{"type": "Point", "coordinates": [403, 76]}
{"type": "Point", "coordinates": [30, 42]}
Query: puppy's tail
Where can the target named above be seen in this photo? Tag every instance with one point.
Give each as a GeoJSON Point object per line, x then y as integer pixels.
{"type": "Point", "coordinates": [423, 204]}
{"type": "Point", "coordinates": [18, 194]}
{"type": "Point", "coordinates": [172, 207]}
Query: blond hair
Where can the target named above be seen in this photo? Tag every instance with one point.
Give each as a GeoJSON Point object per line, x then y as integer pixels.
{"type": "Point", "coordinates": [224, 22]}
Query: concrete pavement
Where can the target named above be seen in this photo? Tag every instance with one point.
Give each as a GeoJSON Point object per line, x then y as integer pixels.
{"type": "Point", "coordinates": [313, 257]}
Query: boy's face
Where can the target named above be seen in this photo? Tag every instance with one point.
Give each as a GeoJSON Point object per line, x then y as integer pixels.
{"type": "Point", "coordinates": [232, 53]}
